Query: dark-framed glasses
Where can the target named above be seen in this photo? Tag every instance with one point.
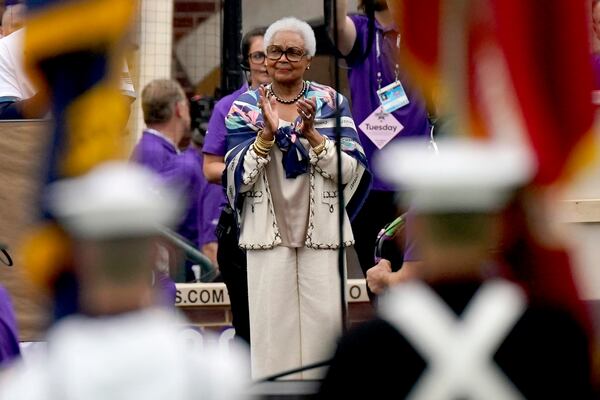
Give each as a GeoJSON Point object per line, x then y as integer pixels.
{"type": "Point", "coordinates": [256, 57]}
{"type": "Point", "coordinates": [293, 54]}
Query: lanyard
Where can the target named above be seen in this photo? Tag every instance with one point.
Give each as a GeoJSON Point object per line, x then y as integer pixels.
{"type": "Point", "coordinates": [378, 50]}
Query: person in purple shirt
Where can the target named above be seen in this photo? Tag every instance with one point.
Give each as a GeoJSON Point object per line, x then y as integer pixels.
{"type": "Point", "coordinates": [367, 73]}
{"type": "Point", "coordinates": [215, 144]}
{"type": "Point", "coordinates": [9, 342]}
{"type": "Point", "coordinates": [204, 201]}
{"type": "Point", "coordinates": [232, 260]}
{"type": "Point", "coordinates": [210, 202]}
{"type": "Point", "coordinates": [167, 117]}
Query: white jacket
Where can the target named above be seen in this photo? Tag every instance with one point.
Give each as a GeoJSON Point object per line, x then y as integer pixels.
{"type": "Point", "coordinates": [258, 223]}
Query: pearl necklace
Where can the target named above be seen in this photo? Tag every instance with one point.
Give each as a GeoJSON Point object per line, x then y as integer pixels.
{"type": "Point", "coordinates": [292, 101]}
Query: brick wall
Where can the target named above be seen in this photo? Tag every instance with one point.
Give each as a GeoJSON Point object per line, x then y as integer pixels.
{"type": "Point", "coordinates": [187, 16]}
{"type": "Point", "coordinates": [190, 13]}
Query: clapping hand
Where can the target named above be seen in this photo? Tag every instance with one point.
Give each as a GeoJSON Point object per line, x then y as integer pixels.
{"type": "Point", "coordinates": [270, 114]}
{"type": "Point", "coordinates": [307, 108]}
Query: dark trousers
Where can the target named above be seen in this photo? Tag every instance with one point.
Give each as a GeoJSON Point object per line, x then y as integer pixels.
{"type": "Point", "coordinates": [232, 263]}
{"type": "Point", "coordinates": [379, 209]}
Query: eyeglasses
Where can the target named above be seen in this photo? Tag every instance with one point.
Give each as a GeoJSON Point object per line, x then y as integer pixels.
{"type": "Point", "coordinates": [257, 57]}
{"type": "Point", "coordinates": [293, 54]}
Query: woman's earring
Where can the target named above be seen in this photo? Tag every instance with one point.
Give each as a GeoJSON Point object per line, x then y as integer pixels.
{"type": "Point", "coordinates": [308, 67]}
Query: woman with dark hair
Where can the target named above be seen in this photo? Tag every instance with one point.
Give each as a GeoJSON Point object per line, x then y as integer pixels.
{"type": "Point", "coordinates": [231, 259]}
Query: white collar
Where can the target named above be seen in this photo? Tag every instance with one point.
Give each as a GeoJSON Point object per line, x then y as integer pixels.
{"type": "Point", "coordinates": [162, 136]}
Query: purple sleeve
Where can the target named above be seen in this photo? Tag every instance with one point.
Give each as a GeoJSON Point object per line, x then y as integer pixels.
{"type": "Point", "coordinates": [211, 199]}
{"type": "Point", "coordinates": [361, 25]}
{"type": "Point", "coordinates": [9, 342]}
{"type": "Point", "coordinates": [214, 142]}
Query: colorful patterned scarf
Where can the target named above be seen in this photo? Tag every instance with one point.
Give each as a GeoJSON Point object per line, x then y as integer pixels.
{"type": "Point", "coordinates": [245, 119]}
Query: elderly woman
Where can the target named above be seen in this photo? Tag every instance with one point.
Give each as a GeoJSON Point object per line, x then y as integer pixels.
{"type": "Point", "coordinates": [282, 180]}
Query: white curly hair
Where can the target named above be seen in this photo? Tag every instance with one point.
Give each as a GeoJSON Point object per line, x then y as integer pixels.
{"type": "Point", "coordinates": [292, 24]}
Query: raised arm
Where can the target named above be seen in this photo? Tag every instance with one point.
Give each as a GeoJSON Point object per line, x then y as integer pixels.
{"type": "Point", "coordinates": [346, 30]}
{"type": "Point", "coordinates": [257, 156]}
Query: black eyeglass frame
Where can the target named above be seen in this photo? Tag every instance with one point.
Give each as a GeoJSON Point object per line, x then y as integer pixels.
{"type": "Point", "coordinates": [285, 52]}
{"type": "Point", "coordinates": [257, 57]}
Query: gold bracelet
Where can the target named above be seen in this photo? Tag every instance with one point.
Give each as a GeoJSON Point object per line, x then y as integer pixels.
{"type": "Point", "coordinates": [260, 152]}
{"type": "Point", "coordinates": [320, 147]}
{"type": "Point", "coordinates": [262, 147]}
{"type": "Point", "coordinates": [263, 141]}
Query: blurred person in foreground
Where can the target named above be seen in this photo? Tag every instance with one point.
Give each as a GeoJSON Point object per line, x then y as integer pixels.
{"type": "Point", "coordinates": [9, 338]}
{"type": "Point", "coordinates": [232, 259]}
{"type": "Point", "coordinates": [121, 346]}
{"type": "Point", "coordinates": [461, 332]}
{"type": "Point", "coordinates": [386, 107]}
{"type": "Point", "coordinates": [282, 181]}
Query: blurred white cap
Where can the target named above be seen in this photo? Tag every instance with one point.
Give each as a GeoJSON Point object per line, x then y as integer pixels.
{"type": "Point", "coordinates": [114, 199]}
{"type": "Point", "coordinates": [465, 176]}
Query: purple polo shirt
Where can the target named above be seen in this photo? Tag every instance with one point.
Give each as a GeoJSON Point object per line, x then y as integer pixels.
{"type": "Point", "coordinates": [9, 342]}
{"type": "Point", "coordinates": [212, 200]}
{"type": "Point", "coordinates": [362, 79]}
{"type": "Point", "coordinates": [154, 151]}
{"type": "Point", "coordinates": [207, 201]}
{"type": "Point", "coordinates": [215, 142]}
{"type": "Point", "coordinates": [187, 175]}
{"type": "Point", "coordinates": [179, 171]}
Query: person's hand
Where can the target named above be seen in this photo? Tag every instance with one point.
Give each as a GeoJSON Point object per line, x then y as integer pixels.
{"type": "Point", "coordinates": [307, 108]}
{"type": "Point", "coordinates": [377, 276]}
{"type": "Point", "coordinates": [270, 114]}
{"type": "Point", "coordinates": [210, 251]}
